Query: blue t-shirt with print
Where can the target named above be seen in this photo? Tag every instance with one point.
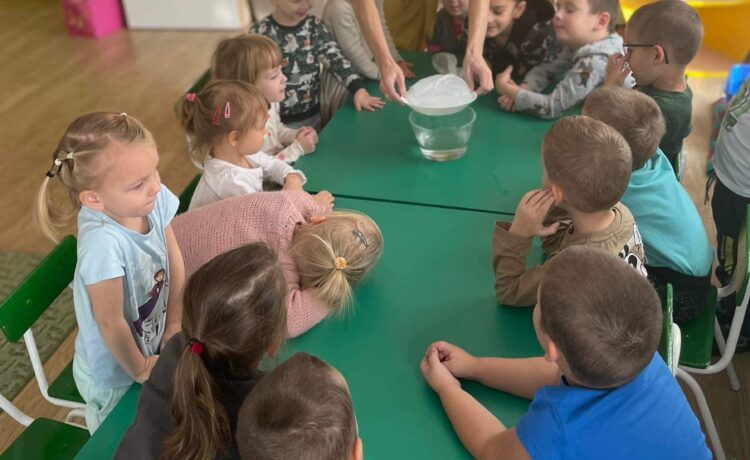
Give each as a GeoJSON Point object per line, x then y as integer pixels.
{"type": "Point", "coordinates": [647, 418]}
{"type": "Point", "coordinates": [108, 250]}
{"type": "Point", "coordinates": [672, 230]}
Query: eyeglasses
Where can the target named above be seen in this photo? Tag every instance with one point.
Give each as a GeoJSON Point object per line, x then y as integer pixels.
{"type": "Point", "coordinates": [627, 47]}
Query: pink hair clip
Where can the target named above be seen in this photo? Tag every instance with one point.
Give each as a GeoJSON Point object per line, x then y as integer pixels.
{"type": "Point", "coordinates": [227, 110]}
{"type": "Point", "coordinates": [191, 97]}
{"type": "Point", "coordinates": [217, 117]}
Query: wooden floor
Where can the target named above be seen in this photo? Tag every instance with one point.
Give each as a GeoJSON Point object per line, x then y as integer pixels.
{"type": "Point", "coordinates": [48, 78]}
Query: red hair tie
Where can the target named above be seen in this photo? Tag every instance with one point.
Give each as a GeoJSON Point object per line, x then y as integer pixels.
{"type": "Point", "coordinates": [191, 97]}
{"type": "Point", "coordinates": [196, 346]}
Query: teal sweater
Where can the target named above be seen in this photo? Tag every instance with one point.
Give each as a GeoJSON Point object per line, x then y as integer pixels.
{"type": "Point", "coordinates": [672, 231]}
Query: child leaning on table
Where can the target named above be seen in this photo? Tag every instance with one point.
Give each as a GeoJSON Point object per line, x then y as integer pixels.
{"type": "Point", "coordinates": [226, 123]}
{"type": "Point", "coordinates": [586, 168]}
{"type": "Point", "coordinates": [584, 41]}
{"type": "Point", "coordinates": [661, 39]}
{"type": "Point", "coordinates": [324, 254]}
{"type": "Point", "coordinates": [600, 391]}
{"type": "Point", "coordinates": [678, 249]}
{"type": "Point", "coordinates": [257, 60]}
{"type": "Point", "coordinates": [306, 44]}
{"type": "Point", "coordinates": [301, 410]}
{"type": "Point", "coordinates": [129, 272]}
{"type": "Point", "coordinates": [235, 313]}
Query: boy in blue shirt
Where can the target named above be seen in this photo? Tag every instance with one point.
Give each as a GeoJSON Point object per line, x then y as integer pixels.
{"type": "Point", "coordinates": [600, 391]}
{"type": "Point", "coordinates": [677, 246]}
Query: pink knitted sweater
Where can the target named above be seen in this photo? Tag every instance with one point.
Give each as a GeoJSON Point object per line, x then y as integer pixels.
{"type": "Point", "coordinates": [270, 217]}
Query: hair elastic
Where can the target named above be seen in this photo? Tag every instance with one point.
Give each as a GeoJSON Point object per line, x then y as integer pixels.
{"type": "Point", "coordinates": [190, 97]}
{"type": "Point", "coordinates": [123, 114]}
{"type": "Point", "coordinates": [339, 263]}
{"type": "Point", "coordinates": [57, 163]}
{"type": "Point", "coordinates": [196, 346]}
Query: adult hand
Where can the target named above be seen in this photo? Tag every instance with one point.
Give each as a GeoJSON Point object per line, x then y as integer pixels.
{"type": "Point", "coordinates": [392, 82]}
{"type": "Point", "coordinates": [617, 70]}
{"type": "Point", "coordinates": [406, 69]}
{"type": "Point", "coordinates": [475, 68]}
{"type": "Point", "coordinates": [363, 100]}
{"type": "Point", "coordinates": [437, 375]}
{"type": "Point", "coordinates": [462, 365]}
{"type": "Point", "coordinates": [528, 221]}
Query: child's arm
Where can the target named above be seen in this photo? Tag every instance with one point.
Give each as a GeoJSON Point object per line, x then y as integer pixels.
{"type": "Point", "coordinates": [343, 23]}
{"type": "Point", "coordinates": [557, 60]}
{"type": "Point", "coordinates": [329, 53]}
{"type": "Point", "coordinates": [514, 285]}
{"type": "Point", "coordinates": [483, 435]}
{"type": "Point", "coordinates": [176, 281]}
{"type": "Point", "coordinates": [298, 141]}
{"type": "Point", "coordinates": [107, 298]}
{"type": "Point", "coordinates": [279, 172]}
{"type": "Point", "coordinates": [520, 377]}
{"type": "Point", "coordinates": [586, 74]}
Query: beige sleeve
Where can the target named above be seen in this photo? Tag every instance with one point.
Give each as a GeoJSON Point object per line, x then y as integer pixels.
{"type": "Point", "coordinates": [514, 284]}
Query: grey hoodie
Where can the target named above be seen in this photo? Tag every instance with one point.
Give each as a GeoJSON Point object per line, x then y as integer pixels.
{"type": "Point", "coordinates": [581, 72]}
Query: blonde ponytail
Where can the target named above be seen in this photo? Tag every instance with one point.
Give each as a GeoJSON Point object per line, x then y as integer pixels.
{"type": "Point", "coordinates": [335, 255]}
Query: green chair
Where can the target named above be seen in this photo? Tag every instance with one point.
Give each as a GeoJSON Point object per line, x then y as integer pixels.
{"type": "Point", "coordinates": [187, 194]}
{"type": "Point", "coordinates": [671, 339]}
{"type": "Point", "coordinates": [43, 439]}
{"type": "Point", "coordinates": [27, 303]}
{"type": "Point", "coordinates": [699, 333]}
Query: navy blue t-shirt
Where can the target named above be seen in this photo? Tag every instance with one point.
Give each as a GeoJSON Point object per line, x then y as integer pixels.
{"type": "Point", "coordinates": [646, 418]}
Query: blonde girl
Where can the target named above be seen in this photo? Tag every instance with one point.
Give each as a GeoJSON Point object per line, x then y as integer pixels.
{"type": "Point", "coordinates": [234, 313]}
{"type": "Point", "coordinates": [129, 271]}
{"type": "Point", "coordinates": [323, 255]}
{"type": "Point", "coordinates": [226, 125]}
{"type": "Point", "coordinates": [256, 59]}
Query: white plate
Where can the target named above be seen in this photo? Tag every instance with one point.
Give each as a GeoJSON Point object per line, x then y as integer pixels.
{"type": "Point", "coordinates": [441, 110]}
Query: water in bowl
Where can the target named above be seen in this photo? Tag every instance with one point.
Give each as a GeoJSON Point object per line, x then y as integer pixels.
{"type": "Point", "coordinates": [443, 144]}
{"type": "Point", "coordinates": [443, 138]}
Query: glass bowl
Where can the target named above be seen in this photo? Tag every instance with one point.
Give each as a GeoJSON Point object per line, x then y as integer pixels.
{"type": "Point", "coordinates": [443, 138]}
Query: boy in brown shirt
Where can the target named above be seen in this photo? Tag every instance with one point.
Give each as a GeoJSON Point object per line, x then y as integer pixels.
{"type": "Point", "coordinates": [587, 167]}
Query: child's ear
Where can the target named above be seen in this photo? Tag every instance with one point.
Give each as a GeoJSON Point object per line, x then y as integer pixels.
{"type": "Point", "coordinates": [603, 20]}
{"type": "Point", "coordinates": [551, 352]}
{"type": "Point", "coordinates": [90, 199]}
{"type": "Point", "coordinates": [661, 55]}
{"type": "Point", "coordinates": [275, 348]}
{"type": "Point", "coordinates": [357, 452]}
{"type": "Point", "coordinates": [519, 10]}
{"type": "Point", "coordinates": [557, 193]}
{"type": "Point", "coordinates": [233, 138]}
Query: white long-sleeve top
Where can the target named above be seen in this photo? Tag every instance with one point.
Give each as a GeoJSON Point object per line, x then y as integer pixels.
{"type": "Point", "coordinates": [222, 179]}
{"type": "Point", "coordinates": [339, 17]}
{"type": "Point", "coordinates": [281, 141]}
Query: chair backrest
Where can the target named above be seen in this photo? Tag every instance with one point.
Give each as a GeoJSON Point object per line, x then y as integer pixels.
{"type": "Point", "coordinates": [666, 344]}
{"type": "Point", "coordinates": [187, 194]}
{"type": "Point", "coordinates": [37, 292]}
{"type": "Point", "coordinates": [745, 257]}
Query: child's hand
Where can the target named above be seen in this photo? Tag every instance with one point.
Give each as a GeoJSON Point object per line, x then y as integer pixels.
{"type": "Point", "coordinates": [308, 139]}
{"type": "Point", "coordinates": [462, 365]}
{"type": "Point", "coordinates": [617, 70]}
{"type": "Point", "coordinates": [506, 103]}
{"type": "Point", "coordinates": [505, 85]}
{"type": "Point", "coordinates": [146, 372]}
{"type": "Point", "coordinates": [530, 215]}
{"type": "Point", "coordinates": [325, 199]}
{"type": "Point", "coordinates": [406, 68]}
{"type": "Point", "coordinates": [292, 182]}
{"type": "Point", "coordinates": [363, 100]}
{"type": "Point", "coordinates": [437, 375]}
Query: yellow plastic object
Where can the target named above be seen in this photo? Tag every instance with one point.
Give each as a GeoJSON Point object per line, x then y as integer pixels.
{"type": "Point", "coordinates": [725, 24]}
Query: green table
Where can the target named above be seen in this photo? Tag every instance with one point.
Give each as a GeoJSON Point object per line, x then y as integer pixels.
{"type": "Point", "coordinates": [376, 156]}
{"type": "Point", "coordinates": [434, 282]}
